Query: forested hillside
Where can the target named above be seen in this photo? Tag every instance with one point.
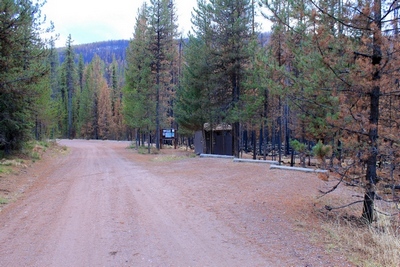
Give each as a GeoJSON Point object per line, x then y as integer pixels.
{"type": "Point", "coordinates": [107, 51]}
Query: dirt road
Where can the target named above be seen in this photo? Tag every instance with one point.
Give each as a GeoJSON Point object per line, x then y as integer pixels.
{"type": "Point", "coordinates": [105, 205]}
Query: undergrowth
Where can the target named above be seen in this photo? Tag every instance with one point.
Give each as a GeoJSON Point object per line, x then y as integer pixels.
{"type": "Point", "coordinates": [166, 158]}
{"type": "Point", "coordinates": [375, 245]}
{"type": "Point", "coordinates": [35, 149]}
{"type": "Point", "coordinates": [145, 150]}
{"type": "Point", "coordinates": [5, 169]}
{"type": "Point", "coordinates": [32, 150]}
{"type": "Point", "coordinates": [3, 201]}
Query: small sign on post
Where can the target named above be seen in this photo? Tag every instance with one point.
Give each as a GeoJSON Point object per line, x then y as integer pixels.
{"type": "Point", "coordinates": [168, 135]}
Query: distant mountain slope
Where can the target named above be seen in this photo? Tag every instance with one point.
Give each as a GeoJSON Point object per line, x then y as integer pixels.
{"type": "Point", "coordinates": [105, 50]}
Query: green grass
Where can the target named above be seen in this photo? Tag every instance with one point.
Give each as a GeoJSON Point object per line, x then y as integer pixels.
{"type": "Point", "coordinates": [3, 201]}
{"type": "Point", "coordinates": [5, 169]}
{"type": "Point", "coordinates": [44, 144]}
{"type": "Point", "coordinates": [145, 150]}
{"type": "Point", "coordinates": [35, 156]}
{"type": "Point", "coordinates": [166, 158]}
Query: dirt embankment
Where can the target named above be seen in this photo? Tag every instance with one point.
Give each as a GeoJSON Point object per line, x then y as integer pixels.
{"type": "Point", "coordinates": [104, 205]}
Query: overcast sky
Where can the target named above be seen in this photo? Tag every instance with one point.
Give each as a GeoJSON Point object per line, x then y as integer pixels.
{"type": "Point", "coordinates": [92, 20]}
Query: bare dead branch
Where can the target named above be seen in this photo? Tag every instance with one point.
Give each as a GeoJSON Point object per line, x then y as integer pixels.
{"type": "Point", "coordinates": [334, 187]}
{"type": "Point", "coordinates": [345, 206]}
{"type": "Point", "coordinates": [339, 20]}
{"type": "Point", "coordinates": [387, 214]}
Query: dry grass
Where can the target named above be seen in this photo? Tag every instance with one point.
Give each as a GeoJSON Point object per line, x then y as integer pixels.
{"type": "Point", "coordinates": [365, 245]}
{"type": "Point", "coordinates": [164, 158]}
{"type": "Point", "coordinates": [12, 183]}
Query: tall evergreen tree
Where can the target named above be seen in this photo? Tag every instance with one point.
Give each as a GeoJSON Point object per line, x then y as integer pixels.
{"type": "Point", "coordinates": [22, 68]}
{"type": "Point", "coordinates": [86, 105]}
{"type": "Point", "coordinates": [104, 121]}
{"type": "Point", "coordinates": [116, 99]}
{"type": "Point", "coordinates": [69, 86]}
{"type": "Point", "coordinates": [197, 101]}
{"type": "Point", "coordinates": [298, 74]}
{"type": "Point", "coordinates": [163, 32]}
{"type": "Point", "coordinates": [150, 71]}
{"type": "Point", "coordinates": [192, 107]}
{"type": "Point", "coordinates": [232, 32]}
{"type": "Point", "coordinates": [81, 68]}
{"type": "Point", "coordinates": [224, 29]}
{"type": "Point", "coordinates": [95, 100]}
{"type": "Point", "coordinates": [54, 78]}
{"type": "Point", "coordinates": [139, 99]}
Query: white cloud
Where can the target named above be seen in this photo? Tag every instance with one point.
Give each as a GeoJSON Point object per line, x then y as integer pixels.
{"type": "Point", "coordinates": [93, 21]}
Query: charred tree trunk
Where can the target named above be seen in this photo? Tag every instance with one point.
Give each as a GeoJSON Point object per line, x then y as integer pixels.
{"type": "Point", "coordinates": [371, 175]}
{"type": "Point", "coordinates": [260, 144]}
{"type": "Point", "coordinates": [254, 140]}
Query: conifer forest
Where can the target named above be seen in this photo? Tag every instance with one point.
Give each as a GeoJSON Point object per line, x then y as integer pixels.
{"type": "Point", "coordinates": [325, 81]}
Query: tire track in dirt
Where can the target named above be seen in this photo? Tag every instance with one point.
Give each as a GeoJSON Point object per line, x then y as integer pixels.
{"type": "Point", "coordinates": [100, 206]}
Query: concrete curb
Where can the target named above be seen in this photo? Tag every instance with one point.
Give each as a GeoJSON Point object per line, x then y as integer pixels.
{"type": "Point", "coordinates": [255, 161]}
{"type": "Point", "coordinates": [215, 156]}
{"type": "Point", "coordinates": [297, 169]}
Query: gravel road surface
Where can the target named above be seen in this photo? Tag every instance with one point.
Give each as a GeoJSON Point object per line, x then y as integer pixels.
{"type": "Point", "coordinates": [101, 204]}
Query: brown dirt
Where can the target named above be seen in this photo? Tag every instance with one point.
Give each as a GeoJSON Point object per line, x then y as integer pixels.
{"type": "Point", "coordinates": [101, 204]}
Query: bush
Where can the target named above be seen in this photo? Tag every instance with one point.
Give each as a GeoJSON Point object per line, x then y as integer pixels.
{"type": "Point", "coordinates": [3, 201]}
{"type": "Point", "coordinates": [322, 151]}
{"type": "Point", "coordinates": [300, 148]}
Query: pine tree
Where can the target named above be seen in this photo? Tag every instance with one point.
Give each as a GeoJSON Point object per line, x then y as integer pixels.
{"type": "Point", "coordinates": [194, 105]}
{"type": "Point", "coordinates": [148, 94]}
{"type": "Point", "coordinates": [357, 45]}
{"type": "Point", "coordinates": [86, 105]}
{"type": "Point", "coordinates": [198, 101]}
{"type": "Point", "coordinates": [300, 73]}
{"type": "Point", "coordinates": [105, 120]}
{"type": "Point", "coordinates": [139, 106]}
{"type": "Point", "coordinates": [192, 109]}
{"type": "Point", "coordinates": [116, 99]}
{"type": "Point", "coordinates": [223, 30]}
{"type": "Point", "coordinates": [163, 32]}
{"type": "Point", "coordinates": [43, 108]}
{"type": "Point", "coordinates": [95, 102]}
{"type": "Point", "coordinates": [69, 86]}
{"type": "Point", "coordinates": [81, 68]}
{"type": "Point", "coordinates": [232, 33]}
{"type": "Point", "coordinates": [251, 109]}
{"type": "Point", "coordinates": [368, 80]}
{"type": "Point", "coordinates": [22, 69]}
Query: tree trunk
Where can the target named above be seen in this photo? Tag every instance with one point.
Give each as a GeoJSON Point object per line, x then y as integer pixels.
{"type": "Point", "coordinates": [261, 140]}
{"type": "Point", "coordinates": [253, 135]}
{"type": "Point", "coordinates": [287, 130]}
{"type": "Point", "coordinates": [235, 142]}
{"type": "Point", "coordinates": [149, 143]}
{"type": "Point", "coordinates": [70, 111]}
{"type": "Point", "coordinates": [371, 175]}
{"type": "Point", "coordinates": [245, 141]}
{"type": "Point", "coordinates": [292, 158]}
{"type": "Point", "coordinates": [158, 82]}
{"type": "Point", "coordinates": [280, 134]}
{"type": "Point", "coordinates": [368, 210]}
